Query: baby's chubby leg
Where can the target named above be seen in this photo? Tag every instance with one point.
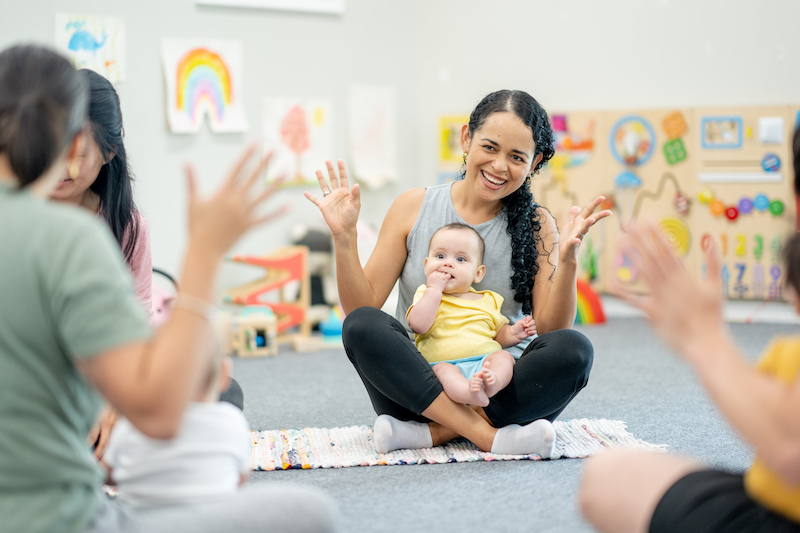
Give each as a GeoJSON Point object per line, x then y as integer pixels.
{"type": "Point", "coordinates": [458, 388]}
{"type": "Point", "coordinates": [498, 367]}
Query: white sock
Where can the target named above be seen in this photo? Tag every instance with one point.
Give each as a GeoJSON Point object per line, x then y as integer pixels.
{"type": "Point", "coordinates": [393, 434]}
{"type": "Point", "coordinates": [538, 437]}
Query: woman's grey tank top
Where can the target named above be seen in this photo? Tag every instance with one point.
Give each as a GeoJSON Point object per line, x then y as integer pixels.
{"type": "Point", "coordinates": [437, 211]}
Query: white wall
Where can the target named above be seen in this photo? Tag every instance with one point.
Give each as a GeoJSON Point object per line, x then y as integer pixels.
{"type": "Point", "coordinates": [611, 54]}
{"type": "Point", "coordinates": [285, 55]}
{"type": "Point", "coordinates": [442, 56]}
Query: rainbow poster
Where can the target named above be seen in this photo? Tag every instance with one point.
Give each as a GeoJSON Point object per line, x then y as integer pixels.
{"type": "Point", "coordinates": [204, 80]}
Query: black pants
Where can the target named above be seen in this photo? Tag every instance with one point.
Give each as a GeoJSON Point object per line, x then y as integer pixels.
{"type": "Point", "coordinates": [401, 383]}
{"type": "Point", "coordinates": [234, 395]}
{"type": "Point", "coordinates": [713, 501]}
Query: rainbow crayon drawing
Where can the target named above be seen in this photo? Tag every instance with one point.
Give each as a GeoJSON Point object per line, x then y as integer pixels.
{"type": "Point", "coordinates": [204, 80]}
{"type": "Point", "coordinates": [204, 84]}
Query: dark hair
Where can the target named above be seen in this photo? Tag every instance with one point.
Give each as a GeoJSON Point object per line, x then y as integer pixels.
{"type": "Point", "coordinates": [42, 108]}
{"type": "Point", "coordinates": [796, 152]}
{"type": "Point", "coordinates": [791, 250]}
{"type": "Point", "coordinates": [460, 226]}
{"type": "Point", "coordinates": [521, 210]}
{"type": "Point", "coordinates": [113, 183]}
{"type": "Point", "coordinates": [791, 261]}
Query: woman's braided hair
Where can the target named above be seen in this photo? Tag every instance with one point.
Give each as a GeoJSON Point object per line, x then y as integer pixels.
{"type": "Point", "coordinates": [519, 206]}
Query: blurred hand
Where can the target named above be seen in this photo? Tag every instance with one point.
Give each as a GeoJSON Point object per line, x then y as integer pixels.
{"type": "Point", "coordinates": [101, 430]}
{"type": "Point", "coordinates": [220, 220]}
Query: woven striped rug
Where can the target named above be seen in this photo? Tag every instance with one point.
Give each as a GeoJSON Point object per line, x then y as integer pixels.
{"type": "Point", "coordinates": [353, 446]}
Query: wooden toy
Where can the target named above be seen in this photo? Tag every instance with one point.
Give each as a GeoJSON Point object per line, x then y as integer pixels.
{"type": "Point", "coordinates": [255, 332]}
{"type": "Point", "coordinates": [283, 267]}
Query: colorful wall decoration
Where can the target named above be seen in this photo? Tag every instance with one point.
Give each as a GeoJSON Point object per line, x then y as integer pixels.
{"type": "Point", "coordinates": [372, 128]}
{"type": "Point", "coordinates": [93, 42]}
{"type": "Point", "coordinates": [590, 308]}
{"type": "Point", "coordinates": [204, 80]}
{"type": "Point", "coordinates": [451, 156]}
{"type": "Point", "coordinates": [719, 175]}
{"type": "Point", "coordinates": [299, 133]}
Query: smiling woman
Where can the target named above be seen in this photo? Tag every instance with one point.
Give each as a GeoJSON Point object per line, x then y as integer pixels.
{"type": "Point", "coordinates": [528, 263]}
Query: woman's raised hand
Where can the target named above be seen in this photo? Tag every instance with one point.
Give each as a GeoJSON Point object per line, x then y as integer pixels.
{"type": "Point", "coordinates": [218, 221]}
{"type": "Point", "coordinates": [579, 221]}
{"type": "Point", "coordinates": [339, 204]}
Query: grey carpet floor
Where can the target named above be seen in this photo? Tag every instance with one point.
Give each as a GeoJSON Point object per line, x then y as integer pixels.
{"type": "Point", "coordinates": [634, 378]}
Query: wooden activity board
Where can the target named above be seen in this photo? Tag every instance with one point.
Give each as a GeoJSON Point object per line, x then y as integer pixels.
{"type": "Point", "coordinates": [721, 174]}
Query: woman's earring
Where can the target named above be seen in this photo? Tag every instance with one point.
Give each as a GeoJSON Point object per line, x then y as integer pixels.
{"type": "Point", "coordinates": [73, 170]}
{"type": "Point", "coordinates": [465, 157]}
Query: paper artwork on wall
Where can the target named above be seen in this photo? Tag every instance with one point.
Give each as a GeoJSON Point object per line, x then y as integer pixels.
{"type": "Point", "coordinates": [372, 125]}
{"type": "Point", "coordinates": [314, 6]}
{"type": "Point", "coordinates": [451, 156]}
{"type": "Point", "coordinates": [204, 79]}
{"type": "Point", "coordinates": [299, 133]}
{"type": "Point", "coordinates": [93, 42]}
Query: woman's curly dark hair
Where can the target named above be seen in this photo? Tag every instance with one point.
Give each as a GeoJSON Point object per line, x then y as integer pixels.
{"type": "Point", "coordinates": [520, 208]}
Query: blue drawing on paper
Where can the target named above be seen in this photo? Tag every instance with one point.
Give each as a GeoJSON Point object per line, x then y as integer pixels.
{"type": "Point", "coordinates": [84, 40]}
{"type": "Point", "coordinates": [93, 42]}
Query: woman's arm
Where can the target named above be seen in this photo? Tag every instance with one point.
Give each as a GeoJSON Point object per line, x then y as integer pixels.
{"type": "Point", "coordinates": [152, 383]}
{"type": "Point", "coordinates": [687, 314]}
{"type": "Point", "coordinates": [555, 285]}
{"type": "Point", "coordinates": [369, 285]}
{"type": "Point", "coordinates": [555, 294]}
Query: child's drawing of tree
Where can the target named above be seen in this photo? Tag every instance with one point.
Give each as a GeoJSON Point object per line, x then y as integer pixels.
{"type": "Point", "coordinates": [294, 134]}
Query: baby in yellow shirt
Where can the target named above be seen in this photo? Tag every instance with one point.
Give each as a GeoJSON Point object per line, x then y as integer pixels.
{"type": "Point", "coordinates": [459, 330]}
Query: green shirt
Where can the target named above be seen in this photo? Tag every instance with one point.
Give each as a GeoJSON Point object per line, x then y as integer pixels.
{"type": "Point", "coordinates": [65, 294]}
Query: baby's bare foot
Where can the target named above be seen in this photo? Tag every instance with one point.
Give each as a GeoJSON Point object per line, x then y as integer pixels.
{"type": "Point", "coordinates": [476, 390]}
{"type": "Point", "coordinates": [489, 380]}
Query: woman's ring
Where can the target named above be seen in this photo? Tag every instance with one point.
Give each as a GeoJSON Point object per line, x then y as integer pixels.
{"type": "Point", "coordinates": [326, 193]}
{"type": "Point", "coordinates": [582, 235]}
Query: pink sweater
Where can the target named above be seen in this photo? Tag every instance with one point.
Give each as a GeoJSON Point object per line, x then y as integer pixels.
{"type": "Point", "coordinates": [141, 263]}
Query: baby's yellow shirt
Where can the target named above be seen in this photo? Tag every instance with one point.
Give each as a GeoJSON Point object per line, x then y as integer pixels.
{"type": "Point", "coordinates": [462, 328]}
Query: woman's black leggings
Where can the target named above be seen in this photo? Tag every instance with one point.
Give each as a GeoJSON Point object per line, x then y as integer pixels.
{"type": "Point", "coordinates": [401, 383]}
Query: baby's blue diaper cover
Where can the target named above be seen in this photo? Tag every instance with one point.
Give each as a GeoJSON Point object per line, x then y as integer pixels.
{"type": "Point", "coordinates": [468, 365]}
